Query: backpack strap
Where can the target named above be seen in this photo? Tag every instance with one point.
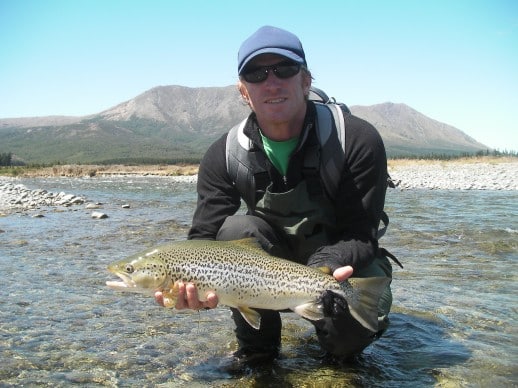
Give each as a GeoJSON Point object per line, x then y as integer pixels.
{"type": "Point", "coordinates": [243, 163]}
{"type": "Point", "coordinates": [332, 145]}
{"type": "Point", "coordinates": [324, 158]}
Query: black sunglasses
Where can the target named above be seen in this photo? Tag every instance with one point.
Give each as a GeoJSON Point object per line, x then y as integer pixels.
{"type": "Point", "coordinates": [282, 70]}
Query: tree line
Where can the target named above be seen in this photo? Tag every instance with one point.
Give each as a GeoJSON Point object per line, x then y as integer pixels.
{"type": "Point", "coordinates": [453, 156]}
{"type": "Point", "coordinates": [6, 158]}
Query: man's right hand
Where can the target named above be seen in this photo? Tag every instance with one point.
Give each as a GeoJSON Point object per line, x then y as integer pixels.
{"type": "Point", "coordinates": [188, 298]}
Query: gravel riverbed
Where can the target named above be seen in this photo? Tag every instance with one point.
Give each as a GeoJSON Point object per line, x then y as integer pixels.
{"type": "Point", "coordinates": [15, 196]}
{"type": "Point", "coordinates": [456, 176]}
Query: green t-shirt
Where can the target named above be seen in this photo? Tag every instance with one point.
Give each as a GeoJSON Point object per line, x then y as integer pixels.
{"type": "Point", "coordinates": [279, 152]}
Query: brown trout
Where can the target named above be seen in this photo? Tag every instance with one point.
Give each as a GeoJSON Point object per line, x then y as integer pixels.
{"type": "Point", "coordinates": [244, 276]}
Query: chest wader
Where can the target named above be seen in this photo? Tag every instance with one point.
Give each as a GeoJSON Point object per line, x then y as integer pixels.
{"type": "Point", "coordinates": [304, 222]}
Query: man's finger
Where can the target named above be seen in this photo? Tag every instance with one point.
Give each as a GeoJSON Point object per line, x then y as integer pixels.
{"type": "Point", "coordinates": [159, 298]}
{"type": "Point", "coordinates": [180, 301]}
{"type": "Point", "coordinates": [191, 293]}
{"type": "Point", "coordinates": [343, 273]}
{"type": "Point", "coordinates": [212, 300]}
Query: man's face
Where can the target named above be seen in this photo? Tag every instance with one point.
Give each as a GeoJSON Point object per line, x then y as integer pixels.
{"type": "Point", "coordinates": [276, 101]}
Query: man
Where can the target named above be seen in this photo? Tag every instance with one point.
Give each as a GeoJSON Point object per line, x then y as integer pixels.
{"type": "Point", "coordinates": [289, 212]}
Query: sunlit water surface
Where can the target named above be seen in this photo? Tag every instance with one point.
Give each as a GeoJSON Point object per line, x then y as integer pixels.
{"type": "Point", "coordinates": [453, 321]}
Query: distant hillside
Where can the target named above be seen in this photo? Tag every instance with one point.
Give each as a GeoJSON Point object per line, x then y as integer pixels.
{"type": "Point", "coordinates": [176, 123]}
{"type": "Point", "coordinates": [405, 131]}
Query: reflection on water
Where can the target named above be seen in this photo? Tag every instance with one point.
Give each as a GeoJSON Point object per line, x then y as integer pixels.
{"type": "Point", "coordinates": [453, 322]}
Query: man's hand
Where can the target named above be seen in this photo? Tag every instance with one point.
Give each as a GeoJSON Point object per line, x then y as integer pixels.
{"type": "Point", "coordinates": [188, 298]}
{"type": "Point", "coordinates": [333, 304]}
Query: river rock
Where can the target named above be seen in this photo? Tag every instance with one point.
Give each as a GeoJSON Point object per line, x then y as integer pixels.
{"type": "Point", "coordinates": [99, 215]}
{"type": "Point", "coordinates": [93, 206]}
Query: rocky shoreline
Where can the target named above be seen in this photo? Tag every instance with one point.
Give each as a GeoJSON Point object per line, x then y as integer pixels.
{"type": "Point", "coordinates": [14, 196]}
{"type": "Point", "coordinates": [456, 176]}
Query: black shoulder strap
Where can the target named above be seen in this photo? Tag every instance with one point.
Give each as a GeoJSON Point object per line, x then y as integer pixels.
{"type": "Point", "coordinates": [323, 160]}
{"type": "Point", "coordinates": [242, 163]}
{"type": "Point", "coordinates": [331, 136]}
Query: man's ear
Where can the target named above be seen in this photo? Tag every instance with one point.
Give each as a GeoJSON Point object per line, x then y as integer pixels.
{"type": "Point", "coordinates": [306, 84]}
{"type": "Point", "coordinates": [244, 93]}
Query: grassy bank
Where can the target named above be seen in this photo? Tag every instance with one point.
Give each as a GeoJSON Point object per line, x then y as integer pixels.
{"type": "Point", "coordinates": [79, 170]}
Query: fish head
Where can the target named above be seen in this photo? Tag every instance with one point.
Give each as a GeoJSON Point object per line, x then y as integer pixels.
{"type": "Point", "coordinates": [142, 274]}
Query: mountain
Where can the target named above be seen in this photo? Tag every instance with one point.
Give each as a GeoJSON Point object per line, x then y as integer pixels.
{"type": "Point", "coordinates": [405, 131]}
{"type": "Point", "coordinates": [177, 124]}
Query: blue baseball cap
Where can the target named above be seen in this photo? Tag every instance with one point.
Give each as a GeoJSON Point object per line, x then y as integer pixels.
{"type": "Point", "coordinates": [270, 40]}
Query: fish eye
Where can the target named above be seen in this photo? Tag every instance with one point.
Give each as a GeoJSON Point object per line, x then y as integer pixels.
{"type": "Point", "coordinates": [129, 268]}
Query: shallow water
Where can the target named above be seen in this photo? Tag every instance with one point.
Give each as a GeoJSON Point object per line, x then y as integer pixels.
{"type": "Point", "coordinates": [453, 321]}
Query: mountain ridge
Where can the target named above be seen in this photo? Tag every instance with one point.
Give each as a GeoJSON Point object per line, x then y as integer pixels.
{"type": "Point", "coordinates": [173, 123]}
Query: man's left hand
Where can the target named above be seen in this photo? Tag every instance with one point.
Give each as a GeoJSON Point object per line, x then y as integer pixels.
{"type": "Point", "coordinates": [334, 305]}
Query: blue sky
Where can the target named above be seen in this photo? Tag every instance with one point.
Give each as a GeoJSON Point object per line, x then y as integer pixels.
{"type": "Point", "coordinates": [455, 61]}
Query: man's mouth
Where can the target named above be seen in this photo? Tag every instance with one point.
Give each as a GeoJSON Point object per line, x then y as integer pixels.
{"type": "Point", "coordinates": [275, 100]}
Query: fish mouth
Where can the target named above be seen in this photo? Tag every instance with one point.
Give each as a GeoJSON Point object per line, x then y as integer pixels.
{"type": "Point", "coordinates": [127, 284]}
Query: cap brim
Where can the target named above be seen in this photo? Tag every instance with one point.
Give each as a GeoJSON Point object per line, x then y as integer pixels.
{"type": "Point", "coordinates": [272, 50]}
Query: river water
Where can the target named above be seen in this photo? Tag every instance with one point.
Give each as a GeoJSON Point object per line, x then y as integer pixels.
{"type": "Point", "coordinates": [453, 322]}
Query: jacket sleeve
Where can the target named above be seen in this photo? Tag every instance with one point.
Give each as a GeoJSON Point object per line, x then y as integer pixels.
{"type": "Point", "coordinates": [360, 200]}
{"type": "Point", "coordinates": [217, 196]}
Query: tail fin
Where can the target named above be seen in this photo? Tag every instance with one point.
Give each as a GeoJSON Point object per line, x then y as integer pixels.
{"type": "Point", "coordinates": [363, 305]}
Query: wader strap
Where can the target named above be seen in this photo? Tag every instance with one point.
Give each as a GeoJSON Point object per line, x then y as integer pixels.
{"type": "Point", "coordinates": [384, 252]}
{"type": "Point", "coordinates": [311, 167]}
{"type": "Point", "coordinates": [384, 218]}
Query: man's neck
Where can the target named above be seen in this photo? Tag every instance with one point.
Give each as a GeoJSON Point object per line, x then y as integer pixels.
{"type": "Point", "coordinates": [282, 131]}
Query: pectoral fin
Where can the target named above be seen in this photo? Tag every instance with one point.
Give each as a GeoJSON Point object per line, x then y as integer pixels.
{"type": "Point", "coordinates": [252, 317]}
{"type": "Point", "coordinates": [170, 295]}
{"type": "Point", "coordinates": [325, 270]}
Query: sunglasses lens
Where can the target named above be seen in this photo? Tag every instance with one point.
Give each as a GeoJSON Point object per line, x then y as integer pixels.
{"type": "Point", "coordinates": [281, 70]}
{"type": "Point", "coordinates": [286, 71]}
{"type": "Point", "coordinates": [256, 76]}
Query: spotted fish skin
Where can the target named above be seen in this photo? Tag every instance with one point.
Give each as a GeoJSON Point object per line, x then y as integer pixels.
{"type": "Point", "coordinates": [244, 276]}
